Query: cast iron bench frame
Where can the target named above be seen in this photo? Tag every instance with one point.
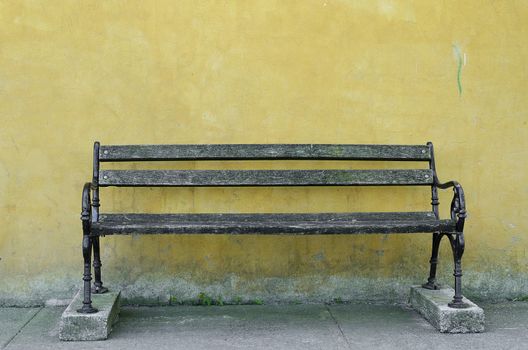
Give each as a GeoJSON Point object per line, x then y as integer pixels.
{"type": "Point", "coordinates": [95, 225]}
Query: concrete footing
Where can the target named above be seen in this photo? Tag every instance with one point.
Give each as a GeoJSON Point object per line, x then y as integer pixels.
{"type": "Point", "coordinates": [96, 326]}
{"type": "Point", "coordinates": [432, 304]}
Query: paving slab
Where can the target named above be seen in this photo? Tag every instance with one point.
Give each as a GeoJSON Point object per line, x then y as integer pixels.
{"type": "Point", "coordinates": [12, 320]}
{"type": "Point", "coordinates": [399, 327]}
{"type": "Point", "coordinates": [228, 327]}
{"type": "Point", "coordinates": [371, 326]}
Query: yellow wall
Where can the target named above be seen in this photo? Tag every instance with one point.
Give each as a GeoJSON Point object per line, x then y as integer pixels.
{"type": "Point", "coordinates": [266, 71]}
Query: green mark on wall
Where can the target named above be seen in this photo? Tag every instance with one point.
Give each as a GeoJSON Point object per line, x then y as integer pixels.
{"type": "Point", "coordinates": [458, 55]}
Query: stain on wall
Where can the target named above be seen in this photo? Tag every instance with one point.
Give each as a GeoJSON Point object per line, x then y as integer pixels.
{"type": "Point", "coordinates": [461, 61]}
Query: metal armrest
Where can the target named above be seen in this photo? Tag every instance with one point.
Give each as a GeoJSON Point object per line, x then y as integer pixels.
{"type": "Point", "coordinates": [458, 204]}
{"type": "Point", "coordinates": [86, 213]}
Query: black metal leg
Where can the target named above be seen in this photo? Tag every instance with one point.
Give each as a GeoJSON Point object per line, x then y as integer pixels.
{"type": "Point", "coordinates": [431, 281]}
{"type": "Point", "coordinates": [98, 283]}
{"type": "Point", "coordinates": [87, 307]}
{"type": "Point", "coordinates": [458, 245]}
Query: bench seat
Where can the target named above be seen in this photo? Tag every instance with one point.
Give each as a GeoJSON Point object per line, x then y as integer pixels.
{"type": "Point", "coordinates": [301, 224]}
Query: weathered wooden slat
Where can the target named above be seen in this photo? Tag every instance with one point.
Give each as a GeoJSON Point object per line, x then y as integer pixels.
{"type": "Point", "coordinates": [116, 153]}
{"type": "Point", "coordinates": [301, 224]}
{"type": "Point", "coordinates": [219, 217]}
{"type": "Point", "coordinates": [202, 178]}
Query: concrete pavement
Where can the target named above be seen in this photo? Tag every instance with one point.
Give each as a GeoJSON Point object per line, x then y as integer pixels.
{"type": "Point", "coordinates": [306, 326]}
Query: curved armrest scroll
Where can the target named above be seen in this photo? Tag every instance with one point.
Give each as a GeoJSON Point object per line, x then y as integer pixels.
{"type": "Point", "coordinates": [86, 213]}
{"type": "Point", "coordinates": [458, 204]}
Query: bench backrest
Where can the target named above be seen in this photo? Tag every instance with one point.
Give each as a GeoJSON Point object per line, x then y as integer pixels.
{"type": "Point", "coordinates": [177, 178]}
{"type": "Point", "coordinates": [185, 178]}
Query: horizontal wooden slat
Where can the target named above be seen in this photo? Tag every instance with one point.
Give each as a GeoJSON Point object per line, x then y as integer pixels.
{"type": "Point", "coordinates": [316, 223]}
{"type": "Point", "coordinates": [200, 178]}
{"type": "Point", "coordinates": [248, 217]}
{"type": "Point", "coordinates": [263, 151]}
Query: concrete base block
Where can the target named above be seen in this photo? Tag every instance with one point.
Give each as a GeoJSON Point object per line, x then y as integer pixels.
{"type": "Point", "coordinates": [96, 326]}
{"type": "Point", "coordinates": [432, 304]}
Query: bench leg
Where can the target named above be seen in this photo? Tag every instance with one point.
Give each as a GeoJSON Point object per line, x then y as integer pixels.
{"type": "Point", "coordinates": [431, 281]}
{"type": "Point", "coordinates": [98, 283]}
{"type": "Point", "coordinates": [457, 245]}
{"type": "Point", "coordinates": [87, 307]}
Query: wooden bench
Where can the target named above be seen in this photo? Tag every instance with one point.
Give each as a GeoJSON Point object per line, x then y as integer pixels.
{"type": "Point", "coordinates": [95, 224]}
